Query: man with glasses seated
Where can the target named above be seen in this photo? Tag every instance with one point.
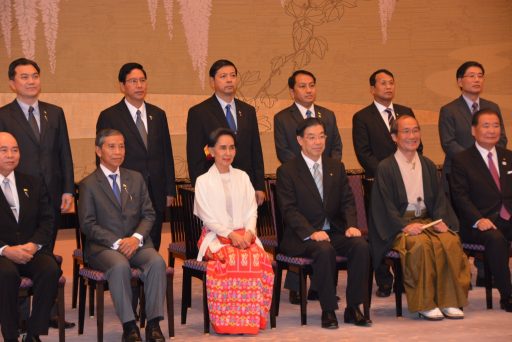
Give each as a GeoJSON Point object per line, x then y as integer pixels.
{"type": "Point", "coordinates": [410, 213]}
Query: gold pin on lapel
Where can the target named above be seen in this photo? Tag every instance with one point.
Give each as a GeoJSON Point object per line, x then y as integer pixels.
{"type": "Point", "coordinates": [45, 115]}
{"type": "Point", "coordinates": [25, 191]}
{"type": "Point", "coordinates": [151, 117]}
{"type": "Point", "coordinates": [240, 113]}
{"type": "Point", "coordinates": [125, 188]}
{"type": "Point", "coordinates": [319, 115]}
{"type": "Point", "coordinates": [330, 174]}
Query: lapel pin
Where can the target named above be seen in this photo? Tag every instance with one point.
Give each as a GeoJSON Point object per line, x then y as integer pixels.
{"type": "Point", "coordinates": [504, 162]}
{"type": "Point", "coordinates": [125, 188]}
{"type": "Point", "coordinates": [330, 174]}
{"type": "Point", "coordinates": [240, 113]}
{"type": "Point", "coordinates": [151, 117]}
{"type": "Point", "coordinates": [25, 191]}
{"type": "Point", "coordinates": [45, 115]}
{"type": "Point", "coordinates": [319, 115]}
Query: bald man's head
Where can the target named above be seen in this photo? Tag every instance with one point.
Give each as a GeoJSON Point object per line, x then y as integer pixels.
{"type": "Point", "coordinates": [9, 153]}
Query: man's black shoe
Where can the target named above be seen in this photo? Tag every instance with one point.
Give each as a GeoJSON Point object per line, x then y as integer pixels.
{"type": "Point", "coordinates": [132, 335]}
{"type": "Point", "coordinates": [294, 297]}
{"type": "Point", "coordinates": [54, 323]}
{"type": "Point", "coordinates": [329, 320]}
{"type": "Point", "coordinates": [33, 338]}
{"type": "Point", "coordinates": [383, 291]}
{"type": "Point", "coordinates": [506, 304]}
{"type": "Point", "coordinates": [154, 333]}
{"type": "Point", "coordinates": [355, 316]}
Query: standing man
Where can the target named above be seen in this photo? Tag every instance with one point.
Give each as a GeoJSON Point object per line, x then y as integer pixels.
{"type": "Point", "coordinates": [481, 184]}
{"type": "Point", "coordinates": [25, 245]}
{"type": "Point", "coordinates": [302, 86]}
{"type": "Point", "coordinates": [373, 143]}
{"type": "Point", "coordinates": [455, 117]}
{"type": "Point", "coordinates": [42, 135]}
{"type": "Point", "coordinates": [223, 110]}
{"type": "Point", "coordinates": [116, 216]}
{"type": "Point", "coordinates": [148, 142]}
{"type": "Point", "coordinates": [319, 214]}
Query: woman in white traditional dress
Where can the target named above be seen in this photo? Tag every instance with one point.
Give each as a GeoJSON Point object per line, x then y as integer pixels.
{"type": "Point", "coordinates": [239, 274]}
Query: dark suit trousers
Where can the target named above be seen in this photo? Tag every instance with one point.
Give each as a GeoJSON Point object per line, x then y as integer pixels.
{"type": "Point", "coordinates": [156, 231]}
{"type": "Point", "coordinates": [497, 242]}
{"type": "Point", "coordinates": [323, 279]}
{"type": "Point", "coordinates": [45, 273]}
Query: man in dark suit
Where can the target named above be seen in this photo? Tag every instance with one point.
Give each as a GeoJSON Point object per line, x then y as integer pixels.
{"type": "Point", "coordinates": [42, 135]}
{"type": "Point", "coordinates": [223, 110]}
{"type": "Point", "coordinates": [319, 213]}
{"type": "Point", "coordinates": [373, 143]}
{"type": "Point", "coordinates": [481, 188]}
{"type": "Point", "coordinates": [25, 245]}
{"type": "Point", "coordinates": [116, 217]}
{"type": "Point", "coordinates": [148, 142]}
{"type": "Point", "coordinates": [302, 86]}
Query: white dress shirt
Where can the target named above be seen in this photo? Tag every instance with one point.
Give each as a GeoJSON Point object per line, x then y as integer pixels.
{"type": "Point", "coordinates": [143, 115]}
{"type": "Point", "coordinates": [384, 114]}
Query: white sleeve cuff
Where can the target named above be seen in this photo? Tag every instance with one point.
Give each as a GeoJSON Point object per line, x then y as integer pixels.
{"type": "Point", "coordinates": [115, 246]}
{"type": "Point", "coordinates": [140, 238]}
{"type": "Point", "coordinates": [2, 250]}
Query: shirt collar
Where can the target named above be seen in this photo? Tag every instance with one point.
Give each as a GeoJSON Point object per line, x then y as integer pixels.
{"type": "Point", "coordinates": [25, 107]}
{"type": "Point", "coordinates": [10, 177]}
{"type": "Point", "coordinates": [310, 162]}
{"type": "Point", "coordinates": [303, 109]}
{"type": "Point", "coordinates": [133, 110]}
{"type": "Point", "coordinates": [401, 157]}
{"type": "Point", "coordinates": [107, 172]}
{"type": "Point", "coordinates": [223, 104]}
{"type": "Point", "coordinates": [470, 102]}
{"type": "Point", "coordinates": [381, 107]}
{"type": "Point", "coordinates": [484, 152]}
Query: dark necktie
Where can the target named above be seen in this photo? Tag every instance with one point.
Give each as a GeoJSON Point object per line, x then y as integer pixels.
{"type": "Point", "coordinates": [308, 114]}
{"type": "Point", "coordinates": [230, 118]}
{"type": "Point", "coordinates": [504, 213]}
{"type": "Point", "coordinates": [391, 118]}
{"type": "Point", "coordinates": [115, 188]}
{"type": "Point", "coordinates": [474, 107]}
{"type": "Point", "coordinates": [141, 128]}
{"type": "Point", "coordinates": [9, 197]}
{"type": "Point", "coordinates": [32, 121]}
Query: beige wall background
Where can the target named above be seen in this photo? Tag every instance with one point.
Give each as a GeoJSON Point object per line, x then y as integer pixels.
{"type": "Point", "coordinates": [80, 46]}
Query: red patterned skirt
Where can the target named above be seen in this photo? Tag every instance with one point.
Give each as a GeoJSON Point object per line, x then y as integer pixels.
{"type": "Point", "coordinates": [239, 289]}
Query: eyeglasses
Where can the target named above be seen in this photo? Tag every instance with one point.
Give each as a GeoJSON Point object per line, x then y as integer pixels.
{"type": "Point", "coordinates": [312, 138]}
{"type": "Point", "coordinates": [478, 76]}
{"type": "Point", "coordinates": [135, 81]}
{"type": "Point", "coordinates": [409, 131]}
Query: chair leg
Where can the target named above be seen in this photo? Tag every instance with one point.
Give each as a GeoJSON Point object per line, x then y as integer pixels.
{"type": "Point", "coordinates": [488, 283]}
{"type": "Point", "coordinates": [142, 304]}
{"type": "Point", "coordinates": [81, 305]}
{"type": "Point", "coordinates": [303, 297]}
{"type": "Point", "coordinates": [170, 304]}
{"type": "Point", "coordinates": [277, 287]}
{"type": "Point", "coordinates": [171, 260]}
{"type": "Point", "coordinates": [398, 286]}
{"type": "Point", "coordinates": [185, 294]}
{"type": "Point", "coordinates": [74, 293]}
{"type": "Point", "coordinates": [61, 312]}
{"type": "Point", "coordinates": [100, 289]}
{"type": "Point", "coordinates": [206, 314]}
{"type": "Point", "coordinates": [91, 301]}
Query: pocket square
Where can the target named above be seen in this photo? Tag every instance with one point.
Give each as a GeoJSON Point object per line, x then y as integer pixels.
{"type": "Point", "coordinates": [509, 172]}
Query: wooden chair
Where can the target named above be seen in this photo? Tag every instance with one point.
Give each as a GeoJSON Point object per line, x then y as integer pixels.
{"type": "Point", "coordinates": [192, 267]}
{"type": "Point", "coordinates": [265, 229]}
{"type": "Point", "coordinates": [176, 248]}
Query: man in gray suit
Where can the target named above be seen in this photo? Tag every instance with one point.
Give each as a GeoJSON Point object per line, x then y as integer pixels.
{"type": "Point", "coordinates": [116, 217]}
{"type": "Point", "coordinates": [455, 123]}
{"type": "Point", "coordinates": [455, 117]}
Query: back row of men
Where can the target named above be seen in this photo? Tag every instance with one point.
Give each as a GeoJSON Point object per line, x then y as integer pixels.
{"type": "Point", "coordinates": [41, 133]}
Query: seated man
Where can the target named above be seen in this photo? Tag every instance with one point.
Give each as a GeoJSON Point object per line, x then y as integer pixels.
{"type": "Point", "coordinates": [116, 217]}
{"type": "Point", "coordinates": [25, 245]}
{"type": "Point", "coordinates": [406, 197]}
{"type": "Point", "coordinates": [320, 217]}
{"type": "Point", "coordinates": [481, 185]}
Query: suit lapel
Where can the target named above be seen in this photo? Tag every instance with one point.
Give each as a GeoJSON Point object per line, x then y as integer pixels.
{"type": "Point", "coordinates": [327, 176]}
{"type": "Point", "coordinates": [104, 184]}
{"type": "Point", "coordinates": [296, 114]}
{"type": "Point", "coordinates": [218, 112]}
{"type": "Point", "coordinates": [380, 122]}
{"type": "Point", "coordinates": [465, 111]}
{"type": "Point", "coordinates": [5, 206]}
{"type": "Point", "coordinates": [504, 167]}
{"type": "Point", "coordinates": [24, 193]}
{"type": "Point", "coordinates": [126, 116]}
{"type": "Point", "coordinates": [43, 119]}
{"type": "Point", "coordinates": [126, 188]}
{"type": "Point", "coordinates": [19, 116]}
{"type": "Point", "coordinates": [305, 175]}
{"type": "Point", "coordinates": [484, 168]}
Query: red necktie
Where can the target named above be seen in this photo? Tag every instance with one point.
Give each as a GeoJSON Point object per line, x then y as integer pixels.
{"type": "Point", "coordinates": [504, 213]}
